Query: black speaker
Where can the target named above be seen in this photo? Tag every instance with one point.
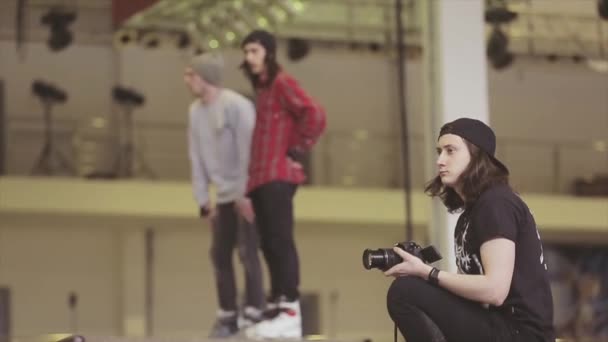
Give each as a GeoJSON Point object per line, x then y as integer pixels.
{"type": "Point", "coordinates": [5, 314]}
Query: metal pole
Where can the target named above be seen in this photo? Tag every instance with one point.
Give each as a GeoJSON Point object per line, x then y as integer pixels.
{"type": "Point", "coordinates": [3, 132]}
{"type": "Point", "coordinates": [403, 116]}
{"type": "Point", "coordinates": [149, 285]}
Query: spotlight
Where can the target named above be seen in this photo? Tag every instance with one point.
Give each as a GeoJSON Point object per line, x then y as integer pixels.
{"type": "Point", "coordinates": [48, 92]}
{"type": "Point", "coordinates": [375, 47]}
{"type": "Point", "coordinates": [150, 40]}
{"type": "Point", "coordinates": [499, 15]}
{"type": "Point", "coordinates": [552, 57]}
{"type": "Point", "coordinates": [355, 46]}
{"type": "Point", "coordinates": [125, 37]}
{"type": "Point", "coordinates": [577, 58]}
{"type": "Point", "coordinates": [297, 49]}
{"type": "Point", "coordinates": [58, 20]}
{"type": "Point", "coordinates": [497, 51]}
{"type": "Point", "coordinates": [127, 97]}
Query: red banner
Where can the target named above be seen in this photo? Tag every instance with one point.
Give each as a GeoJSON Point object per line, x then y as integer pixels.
{"type": "Point", "coordinates": [123, 9]}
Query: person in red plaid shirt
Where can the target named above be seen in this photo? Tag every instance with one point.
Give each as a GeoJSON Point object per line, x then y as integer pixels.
{"type": "Point", "coordinates": [288, 123]}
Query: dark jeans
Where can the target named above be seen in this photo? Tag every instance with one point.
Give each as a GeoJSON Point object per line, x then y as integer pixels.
{"type": "Point", "coordinates": [230, 229]}
{"type": "Point", "coordinates": [273, 205]}
{"type": "Point", "coordinates": [425, 312]}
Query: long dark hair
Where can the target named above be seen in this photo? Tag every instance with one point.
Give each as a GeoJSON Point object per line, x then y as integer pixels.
{"type": "Point", "coordinates": [480, 174]}
{"type": "Point", "coordinates": [272, 70]}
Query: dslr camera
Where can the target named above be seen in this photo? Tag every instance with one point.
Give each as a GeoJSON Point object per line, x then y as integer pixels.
{"type": "Point", "coordinates": [385, 258]}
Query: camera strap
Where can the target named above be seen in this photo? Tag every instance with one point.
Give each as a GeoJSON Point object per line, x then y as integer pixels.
{"type": "Point", "coordinates": [395, 333]}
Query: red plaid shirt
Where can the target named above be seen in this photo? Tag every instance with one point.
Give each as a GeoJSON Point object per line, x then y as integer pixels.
{"type": "Point", "coordinates": [286, 119]}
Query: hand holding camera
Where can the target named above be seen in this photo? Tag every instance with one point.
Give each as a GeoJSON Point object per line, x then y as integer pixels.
{"type": "Point", "coordinates": [411, 265]}
{"type": "Point", "coordinates": [391, 260]}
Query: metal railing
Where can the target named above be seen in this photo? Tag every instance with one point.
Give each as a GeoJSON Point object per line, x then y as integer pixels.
{"type": "Point", "coordinates": [355, 158]}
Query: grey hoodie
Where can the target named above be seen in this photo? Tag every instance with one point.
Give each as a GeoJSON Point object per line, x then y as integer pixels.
{"type": "Point", "coordinates": [219, 145]}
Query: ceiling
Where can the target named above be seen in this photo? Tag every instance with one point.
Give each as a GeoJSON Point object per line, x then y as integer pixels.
{"type": "Point", "coordinates": [542, 28]}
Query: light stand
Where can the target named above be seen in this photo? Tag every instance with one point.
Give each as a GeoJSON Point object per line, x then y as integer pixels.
{"type": "Point", "coordinates": [129, 157]}
{"type": "Point", "coordinates": [50, 157]}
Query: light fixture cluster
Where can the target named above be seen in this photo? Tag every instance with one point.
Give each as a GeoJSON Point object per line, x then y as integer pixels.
{"type": "Point", "coordinates": [204, 25]}
{"type": "Point", "coordinates": [498, 16]}
{"type": "Point", "coordinates": [58, 19]}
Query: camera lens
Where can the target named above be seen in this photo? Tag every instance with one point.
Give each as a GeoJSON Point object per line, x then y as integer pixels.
{"type": "Point", "coordinates": [374, 258]}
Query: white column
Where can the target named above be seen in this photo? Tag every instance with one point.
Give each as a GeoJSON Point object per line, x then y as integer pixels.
{"type": "Point", "coordinates": [455, 78]}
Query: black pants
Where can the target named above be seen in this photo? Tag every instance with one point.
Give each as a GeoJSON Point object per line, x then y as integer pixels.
{"type": "Point", "coordinates": [425, 312]}
{"type": "Point", "coordinates": [230, 230]}
{"type": "Point", "coordinates": [273, 205]}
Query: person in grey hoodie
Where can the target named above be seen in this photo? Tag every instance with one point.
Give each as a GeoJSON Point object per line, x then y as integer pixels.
{"type": "Point", "coordinates": [221, 123]}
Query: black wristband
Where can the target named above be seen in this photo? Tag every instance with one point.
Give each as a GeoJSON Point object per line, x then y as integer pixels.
{"type": "Point", "coordinates": [434, 276]}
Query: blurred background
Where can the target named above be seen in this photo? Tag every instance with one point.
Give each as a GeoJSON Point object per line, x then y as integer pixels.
{"type": "Point", "coordinates": [99, 232]}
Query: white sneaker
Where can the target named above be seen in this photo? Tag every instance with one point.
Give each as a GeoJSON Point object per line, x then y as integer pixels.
{"type": "Point", "coordinates": [249, 317]}
{"type": "Point", "coordinates": [287, 324]}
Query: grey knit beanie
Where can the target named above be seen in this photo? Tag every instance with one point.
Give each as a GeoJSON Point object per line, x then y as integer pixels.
{"type": "Point", "coordinates": [209, 66]}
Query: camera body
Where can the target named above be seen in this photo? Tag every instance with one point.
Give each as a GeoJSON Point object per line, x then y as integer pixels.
{"type": "Point", "coordinates": [385, 258]}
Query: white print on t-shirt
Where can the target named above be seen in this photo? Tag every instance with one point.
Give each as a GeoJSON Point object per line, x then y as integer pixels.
{"type": "Point", "coordinates": [463, 260]}
{"type": "Point", "coordinates": [540, 243]}
{"type": "Point", "coordinates": [542, 256]}
{"type": "Point", "coordinates": [478, 263]}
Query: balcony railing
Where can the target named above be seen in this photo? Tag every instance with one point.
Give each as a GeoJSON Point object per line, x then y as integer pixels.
{"type": "Point", "coordinates": [342, 158]}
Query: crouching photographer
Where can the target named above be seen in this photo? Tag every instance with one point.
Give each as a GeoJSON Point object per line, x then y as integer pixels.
{"type": "Point", "coordinates": [501, 291]}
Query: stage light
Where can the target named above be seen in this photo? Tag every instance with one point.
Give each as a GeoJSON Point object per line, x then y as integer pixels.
{"type": "Point", "coordinates": [213, 43]}
{"type": "Point", "coordinates": [576, 58]}
{"type": "Point", "coordinates": [127, 96]}
{"type": "Point", "coordinates": [58, 20]}
{"type": "Point", "coordinates": [150, 40]}
{"type": "Point", "coordinates": [291, 7]}
{"type": "Point", "coordinates": [497, 49]}
{"type": "Point", "coordinates": [48, 92]}
{"type": "Point", "coordinates": [262, 22]}
{"type": "Point", "coordinates": [230, 36]}
{"type": "Point", "coordinates": [125, 37]}
{"type": "Point", "coordinates": [278, 13]}
{"type": "Point", "coordinates": [499, 15]}
{"type": "Point", "coordinates": [297, 49]}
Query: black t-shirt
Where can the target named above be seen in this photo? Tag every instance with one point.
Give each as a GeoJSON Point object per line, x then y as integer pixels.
{"type": "Point", "coordinates": [500, 213]}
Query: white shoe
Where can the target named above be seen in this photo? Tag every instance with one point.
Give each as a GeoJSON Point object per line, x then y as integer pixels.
{"type": "Point", "coordinates": [287, 324]}
{"type": "Point", "coordinates": [249, 317]}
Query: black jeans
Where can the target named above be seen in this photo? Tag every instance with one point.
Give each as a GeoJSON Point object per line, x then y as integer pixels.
{"type": "Point", "coordinates": [273, 205]}
{"type": "Point", "coordinates": [230, 230]}
{"type": "Point", "coordinates": [425, 312]}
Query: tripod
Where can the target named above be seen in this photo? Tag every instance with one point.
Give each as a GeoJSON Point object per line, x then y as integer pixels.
{"type": "Point", "coordinates": [50, 157]}
{"type": "Point", "coordinates": [129, 158]}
